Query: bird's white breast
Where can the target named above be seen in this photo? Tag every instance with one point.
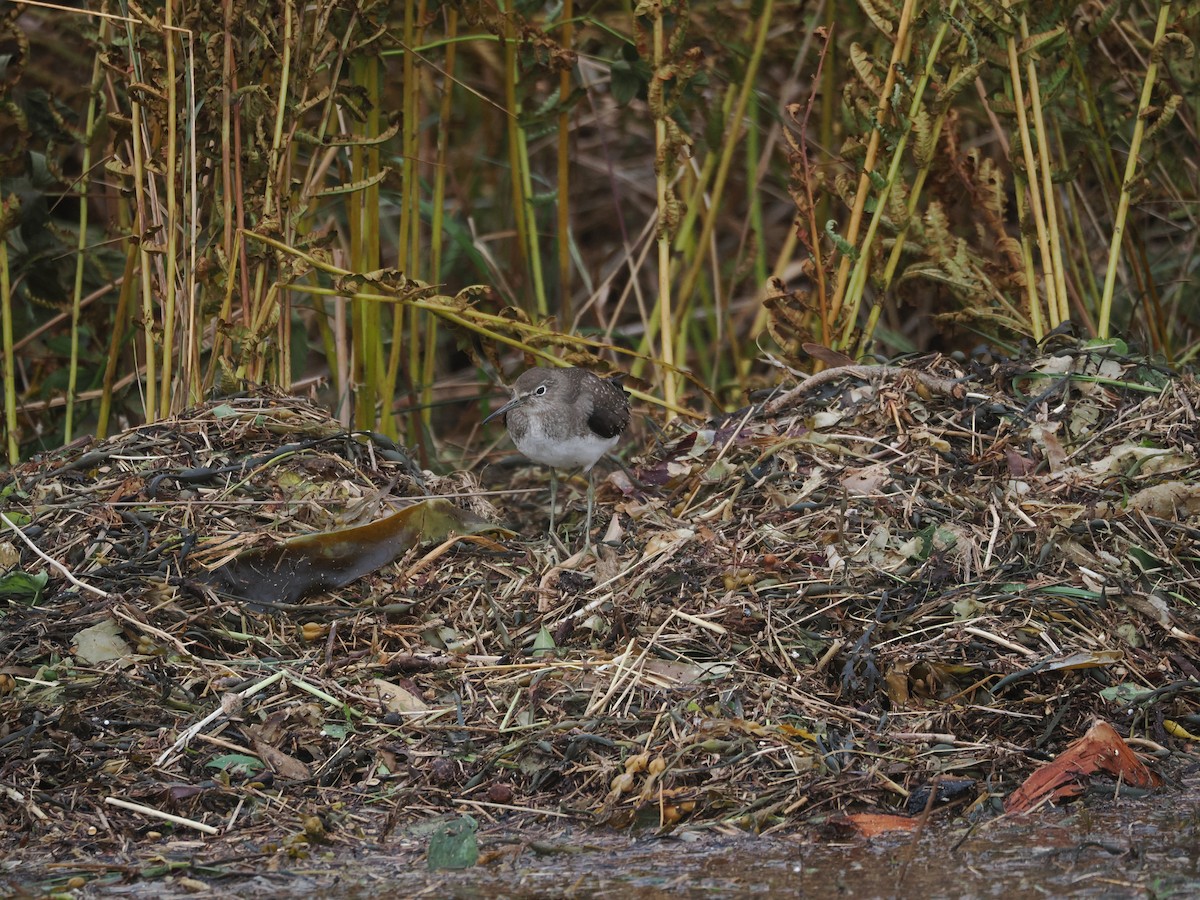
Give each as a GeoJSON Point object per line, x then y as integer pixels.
{"type": "Point", "coordinates": [569, 453]}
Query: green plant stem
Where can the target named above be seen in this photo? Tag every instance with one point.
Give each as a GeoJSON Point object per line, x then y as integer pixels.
{"type": "Point", "coordinates": [697, 191]}
{"type": "Point", "coordinates": [841, 293]}
{"type": "Point", "coordinates": [1131, 165]}
{"type": "Point", "coordinates": [1036, 324]}
{"type": "Point", "coordinates": [445, 137]}
{"type": "Point", "coordinates": [428, 368]}
{"type": "Point", "coordinates": [530, 218]}
{"type": "Point", "coordinates": [10, 369]}
{"type": "Point", "coordinates": [410, 218]}
{"type": "Point", "coordinates": [120, 324]}
{"type": "Point", "coordinates": [81, 246]}
{"type": "Point", "coordinates": [858, 278]}
{"type": "Point", "coordinates": [524, 215]}
{"type": "Point", "coordinates": [1081, 274]}
{"type": "Point", "coordinates": [728, 149]}
{"type": "Point", "coordinates": [564, 170]}
{"type": "Point", "coordinates": [363, 219]}
{"type": "Point", "coordinates": [918, 185]}
{"type": "Point", "coordinates": [1108, 176]}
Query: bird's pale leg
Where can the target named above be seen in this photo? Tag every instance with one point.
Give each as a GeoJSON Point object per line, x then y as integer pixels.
{"type": "Point", "coordinates": [553, 496]}
{"type": "Point", "coordinates": [587, 528]}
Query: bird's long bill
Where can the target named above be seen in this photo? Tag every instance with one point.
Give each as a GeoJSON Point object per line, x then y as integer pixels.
{"type": "Point", "coordinates": [502, 410]}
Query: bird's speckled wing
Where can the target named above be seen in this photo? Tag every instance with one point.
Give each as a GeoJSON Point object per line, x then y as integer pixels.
{"type": "Point", "coordinates": [610, 409]}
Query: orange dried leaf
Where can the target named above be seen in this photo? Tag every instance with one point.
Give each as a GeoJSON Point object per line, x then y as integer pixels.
{"type": "Point", "coordinates": [1100, 750]}
{"type": "Point", "coordinates": [871, 824]}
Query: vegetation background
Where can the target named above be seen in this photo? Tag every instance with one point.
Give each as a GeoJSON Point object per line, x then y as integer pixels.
{"type": "Point", "coordinates": [392, 205]}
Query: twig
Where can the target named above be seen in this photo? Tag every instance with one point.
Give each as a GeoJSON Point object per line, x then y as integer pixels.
{"type": "Point", "coordinates": [935, 383]}
{"type": "Point", "coordinates": [1003, 642]}
{"type": "Point", "coordinates": [159, 814]}
{"type": "Point", "coordinates": [222, 710]}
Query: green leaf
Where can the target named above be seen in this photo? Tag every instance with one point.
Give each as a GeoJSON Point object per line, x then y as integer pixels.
{"type": "Point", "coordinates": [453, 845]}
{"type": "Point", "coordinates": [23, 587]}
{"type": "Point", "coordinates": [1144, 561]}
{"type": "Point", "coordinates": [630, 76]}
{"type": "Point", "coordinates": [237, 764]}
{"type": "Point", "coordinates": [1125, 694]}
{"type": "Point", "coordinates": [544, 642]}
{"type": "Point", "coordinates": [625, 84]}
{"type": "Point", "coordinates": [356, 186]}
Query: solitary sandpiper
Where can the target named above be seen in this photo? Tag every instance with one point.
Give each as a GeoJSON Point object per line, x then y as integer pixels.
{"type": "Point", "coordinates": [568, 419]}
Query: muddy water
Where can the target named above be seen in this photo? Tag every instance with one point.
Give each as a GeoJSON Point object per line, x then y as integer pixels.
{"type": "Point", "coordinates": [1096, 847]}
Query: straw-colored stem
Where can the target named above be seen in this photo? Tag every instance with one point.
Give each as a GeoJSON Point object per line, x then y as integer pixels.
{"type": "Point", "coordinates": [228, 243]}
{"type": "Point", "coordinates": [191, 374]}
{"type": "Point", "coordinates": [172, 215]}
{"type": "Point", "coordinates": [143, 229]}
{"type": "Point", "coordinates": [278, 179]}
{"type": "Point", "coordinates": [661, 178]}
{"type": "Point", "coordinates": [1035, 197]}
{"type": "Point", "coordinates": [1049, 192]}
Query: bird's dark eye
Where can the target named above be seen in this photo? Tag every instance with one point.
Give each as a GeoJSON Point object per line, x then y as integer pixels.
{"type": "Point", "coordinates": [540, 390]}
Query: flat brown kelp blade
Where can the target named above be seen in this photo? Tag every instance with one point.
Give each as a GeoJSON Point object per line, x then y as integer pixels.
{"type": "Point", "coordinates": [303, 565]}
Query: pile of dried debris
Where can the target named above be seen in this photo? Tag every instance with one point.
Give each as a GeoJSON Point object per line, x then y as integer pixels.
{"type": "Point", "coordinates": [887, 588]}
